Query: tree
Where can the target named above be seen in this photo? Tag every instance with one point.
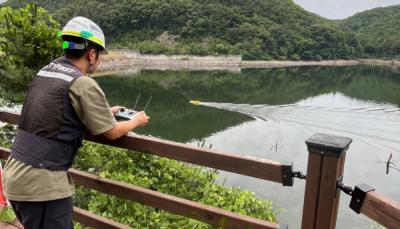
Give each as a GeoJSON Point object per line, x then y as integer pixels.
{"type": "Point", "coordinates": [28, 41]}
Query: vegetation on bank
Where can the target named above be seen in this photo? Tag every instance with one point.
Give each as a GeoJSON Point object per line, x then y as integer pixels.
{"type": "Point", "coordinates": [378, 31]}
{"type": "Point", "coordinates": [255, 29]}
{"type": "Point", "coordinates": [28, 41]}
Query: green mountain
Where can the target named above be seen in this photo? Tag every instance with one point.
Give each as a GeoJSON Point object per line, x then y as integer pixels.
{"type": "Point", "coordinates": [378, 30]}
{"type": "Point", "coordinates": [256, 29]}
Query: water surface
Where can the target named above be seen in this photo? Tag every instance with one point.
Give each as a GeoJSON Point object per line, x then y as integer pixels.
{"type": "Point", "coordinates": [269, 113]}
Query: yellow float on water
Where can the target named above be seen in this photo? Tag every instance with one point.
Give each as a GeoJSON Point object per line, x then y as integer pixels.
{"type": "Point", "coordinates": [195, 102]}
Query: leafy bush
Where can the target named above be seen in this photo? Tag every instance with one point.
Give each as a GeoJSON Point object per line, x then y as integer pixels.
{"type": "Point", "coordinates": [163, 175]}
{"type": "Point", "coordinates": [295, 57]}
{"type": "Point", "coordinates": [28, 41]}
{"type": "Point", "coordinates": [6, 134]}
{"type": "Point", "coordinates": [7, 214]}
{"type": "Point", "coordinates": [156, 173]}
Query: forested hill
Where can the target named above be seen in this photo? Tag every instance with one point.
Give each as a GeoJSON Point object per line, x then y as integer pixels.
{"type": "Point", "coordinates": [256, 29]}
{"type": "Point", "coordinates": [378, 30]}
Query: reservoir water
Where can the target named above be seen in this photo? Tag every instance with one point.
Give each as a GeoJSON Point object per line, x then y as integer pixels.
{"type": "Point", "coordinates": [269, 113]}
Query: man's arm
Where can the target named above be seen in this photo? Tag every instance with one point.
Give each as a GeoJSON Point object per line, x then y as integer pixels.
{"type": "Point", "coordinates": [123, 127]}
{"type": "Point", "coordinates": [95, 113]}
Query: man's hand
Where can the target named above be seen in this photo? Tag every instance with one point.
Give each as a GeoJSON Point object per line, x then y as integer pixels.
{"type": "Point", "coordinates": [123, 127]}
{"type": "Point", "coordinates": [141, 118]}
{"type": "Point", "coordinates": [116, 109]}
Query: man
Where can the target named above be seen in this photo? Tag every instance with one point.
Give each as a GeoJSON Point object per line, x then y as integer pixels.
{"type": "Point", "coordinates": [60, 104]}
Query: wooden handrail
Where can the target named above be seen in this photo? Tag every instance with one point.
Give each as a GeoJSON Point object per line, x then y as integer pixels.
{"type": "Point", "coordinates": [381, 209]}
{"type": "Point", "coordinates": [9, 117]}
{"type": "Point", "coordinates": [208, 214]}
{"type": "Point", "coordinates": [92, 220]}
{"type": "Point", "coordinates": [245, 165]}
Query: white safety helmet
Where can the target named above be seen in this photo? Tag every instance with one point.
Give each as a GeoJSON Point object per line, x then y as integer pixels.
{"type": "Point", "coordinates": [86, 29]}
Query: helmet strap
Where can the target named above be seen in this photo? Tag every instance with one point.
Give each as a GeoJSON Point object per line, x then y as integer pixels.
{"type": "Point", "coordinates": [90, 69]}
{"type": "Point", "coordinates": [88, 59]}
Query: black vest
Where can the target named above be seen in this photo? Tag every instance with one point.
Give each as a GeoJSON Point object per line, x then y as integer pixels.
{"type": "Point", "coordinates": [49, 133]}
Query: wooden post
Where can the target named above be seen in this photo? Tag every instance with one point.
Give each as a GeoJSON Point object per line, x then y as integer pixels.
{"type": "Point", "coordinates": [326, 158]}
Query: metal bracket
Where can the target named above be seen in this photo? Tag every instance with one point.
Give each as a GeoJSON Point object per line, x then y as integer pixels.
{"type": "Point", "coordinates": [339, 183]}
{"type": "Point", "coordinates": [357, 200]}
{"type": "Point", "coordinates": [342, 187]}
{"type": "Point", "coordinates": [287, 175]}
{"type": "Point", "coordinates": [299, 175]}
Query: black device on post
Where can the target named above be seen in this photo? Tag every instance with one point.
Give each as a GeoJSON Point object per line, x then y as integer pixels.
{"type": "Point", "coordinates": [127, 114]}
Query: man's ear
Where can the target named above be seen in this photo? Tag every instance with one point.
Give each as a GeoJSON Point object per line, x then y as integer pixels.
{"type": "Point", "coordinates": [92, 56]}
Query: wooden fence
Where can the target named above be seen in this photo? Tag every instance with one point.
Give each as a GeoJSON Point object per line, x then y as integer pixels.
{"type": "Point", "coordinates": [325, 168]}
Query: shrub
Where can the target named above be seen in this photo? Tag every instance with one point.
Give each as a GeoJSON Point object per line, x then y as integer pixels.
{"type": "Point", "coordinates": [28, 41]}
{"type": "Point", "coordinates": [163, 175]}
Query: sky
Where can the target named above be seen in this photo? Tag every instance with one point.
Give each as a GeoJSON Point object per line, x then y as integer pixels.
{"type": "Point", "coordinates": [339, 9]}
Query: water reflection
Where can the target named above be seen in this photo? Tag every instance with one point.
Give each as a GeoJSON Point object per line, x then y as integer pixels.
{"type": "Point", "coordinates": [173, 89]}
{"type": "Point", "coordinates": [361, 102]}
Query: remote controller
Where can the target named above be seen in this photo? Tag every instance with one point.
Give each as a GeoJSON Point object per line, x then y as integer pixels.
{"type": "Point", "coordinates": [125, 114]}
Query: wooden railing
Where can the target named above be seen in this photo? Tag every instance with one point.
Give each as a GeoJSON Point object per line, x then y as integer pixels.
{"type": "Point", "coordinates": [381, 209]}
{"type": "Point", "coordinates": [325, 167]}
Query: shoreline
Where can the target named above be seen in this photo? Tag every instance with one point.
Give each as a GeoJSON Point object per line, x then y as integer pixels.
{"type": "Point", "coordinates": [289, 63]}
{"type": "Point", "coordinates": [134, 61]}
